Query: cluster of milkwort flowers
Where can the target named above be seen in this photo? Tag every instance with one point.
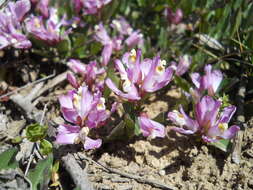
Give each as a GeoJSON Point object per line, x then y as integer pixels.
{"type": "Point", "coordinates": [11, 25]}
{"type": "Point", "coordinates": [85, 110]}
{"type": "Point", "coordinates": [210, 121]}
{"type": "Point", "coordinates": [23, 20]}
{"type": "Point", "coordinates": [126, 36]}
{"type": "Point", "coordinates": [17, 23]}
{"type": "Point", "coordinates": [89, 7]}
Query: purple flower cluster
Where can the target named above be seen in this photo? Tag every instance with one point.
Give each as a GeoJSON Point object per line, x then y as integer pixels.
{"type": "Point", "coordinates": [11, 19]}
{"type": "Point", "coordinates": [125, 32]}
{"type": "Point", "coordinates": [92, 74]}
{"type": "Point", "coordinates": [84, 107]}
{"type": "Point", "coordinates": [42, 6]}
{"type": "Point", "coordinates": [209, 122]}
{"type": "Point", "coordinates": [140, 76]}
{"type": "Point", "coordinates": [85, 111]}
{"type": "Point", "coordinates": [50, 32]}
{"type": "Point", "coordinates": [89, 7]}
{"type": "Point", "coordinates": [174, 17]}
{"type": "Point", "coordinates": [209, 82]}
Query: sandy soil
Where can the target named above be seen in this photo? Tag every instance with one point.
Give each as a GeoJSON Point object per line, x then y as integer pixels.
{"type": "Point", "coordinates": [177, 160]}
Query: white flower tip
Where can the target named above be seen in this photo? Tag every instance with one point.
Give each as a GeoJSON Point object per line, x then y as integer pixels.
{"type": "Point", "coordinates": [101, 104]}
{"type": "Point", "coordinates": [161, 67]}
{"type": "Point", "coordinates": [133, 55]}
{"type": "Point", "coordinates": [96, 27]}
{"type": "Point", "coordinates": [129, 31]}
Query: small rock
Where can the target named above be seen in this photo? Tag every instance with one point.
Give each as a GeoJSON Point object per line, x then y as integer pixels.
{"type": "Point", "coordinates": [204, 149]}
{"type": "Point", "coordinates": [162, 172]}
{"type": "Point", "coordinates": [25, 150]}
{"type": "Point", "coordinates": [58, 120]}
{"type": "Point", "coordinates": [105, 187]}
{"type": "Point", "coordinates": [14, 128]}
{"type": "Point", "coordinates": [125, 187]}
{"type": "Point", "coordinates": [119, 180]}
{"type": "Point", "coordinates": [96, 178]}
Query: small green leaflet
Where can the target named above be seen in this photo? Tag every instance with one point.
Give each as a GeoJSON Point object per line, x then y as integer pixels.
{"type": "Point", "coordinates": [7, 159]}
{"type": "Point", "coordinates": [222, 144]}
{"type": "Point", "coordinates": [40, 175]}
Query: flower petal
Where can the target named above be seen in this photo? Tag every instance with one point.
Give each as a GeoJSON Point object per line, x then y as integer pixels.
{"type": "Point", "coordinates": [21, 8]}
{"type": "Point", "coordinates": [122, 71]}
{"type": "Point", "coordinates": [86, 101]}
{"type": "Point", "coordinates": [183, 131]}
{"type": "Point", "coordinates": [183, 65]}
{"type": "Point", "coordinates": [189, 123]}
{"type": "Point", "coordinates": [66, 100]}
{"type": "Point", "coordinates": [151, 128]}
{"type": "Point", "coordinates": [163, 80]}
{"type": "Point", "coordinates": [133, 95]}
{"type": "Point", "coordinates": [72, 80]}
{"type": "Point", "coordinates": [231, 132]}
{"type": "Point", "coordinates": [227, 114]}
{"type": "Point", "coordinates": [196, 78]}
{"type": "Point", "coordinates": [76, 66]}
{"type": "Point", "coordinates": [67, 134]}
{"type": "Point", "coordinates": [207, 111]}
{"type": "Point", "coordinates": [69, 114]}
{"type": "Point", "coordinates": [92, 144]}
{"type": "Point", "coordinates": [106, 53]}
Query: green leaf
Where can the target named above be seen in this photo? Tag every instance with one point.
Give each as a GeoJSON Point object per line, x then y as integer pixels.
{"type": "Point", "coordinates": [36, 132]}
{"type": "Point", "coordinates": [126, 129]}
{"type": "Point", "coordinates": [45, 147]}
{"type": "Point", "coordinates": [130, 126]}
{"type": "Point", "coordinates": [222, 144]}
{"type": "Point", "coordinates": [160, 118]}
{"type": "Point", "coordinates": [110, 9]}
{"type": "Point", "coordinates": [16, 140]}
{"type": "Point", "coordinates": [111, 74]}
{"type": "Point", "coordinates": [237, 23]}
{"type": "Point", "coordinates": [64, 46]}
{"type": "Point", "coordinates": [7, 159]}
{"type": "Point", "coordinates": [117, 133]}
{"type": "Point", "coordinates": [40, 175]}
{"type": "Point", "coordinates": [141, 3]}
{"type": "Point", "coordinates": [182, 83]}
{"type": "Point", "coordinates": [128, 107]}
{"type": "Point", "coordinates": [107, 92]}
{"type": "Point", "coordinates": [137, 130]}
{"type": "Point", "coordinates": [95, 48]}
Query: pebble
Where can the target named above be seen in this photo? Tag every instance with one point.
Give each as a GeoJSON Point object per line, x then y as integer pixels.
{"type": "Point", "coordinates": [125, 187]}
{"type": "Point", "coordinates": [162, 172]}
{"type": "Point", "coordinates": [119, 180]}
{"type": "Point", "coordinates": [105, 187]}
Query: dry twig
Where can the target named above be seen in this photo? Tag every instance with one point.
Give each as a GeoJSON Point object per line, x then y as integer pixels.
{"type": "Point", "coordinates": [78, 175]}
{"type": "Point", "coordinates": [27, 85]}
{"type": "Point", "coordinates": [237, 144]}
